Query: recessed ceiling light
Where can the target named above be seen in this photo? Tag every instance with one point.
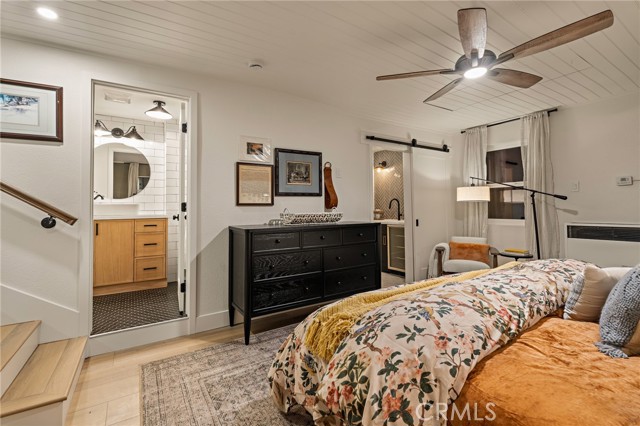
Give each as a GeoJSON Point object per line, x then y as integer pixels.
{"type": "Point", "coordinates": [45, 12]}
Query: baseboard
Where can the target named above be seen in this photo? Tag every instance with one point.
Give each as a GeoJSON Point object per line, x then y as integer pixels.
{"type": "Point", "coordinates": [143, 335]}
{"type": "Point", "coordinates": [58, 322]}
{"type": "Point", "coordinates": [210, 321]}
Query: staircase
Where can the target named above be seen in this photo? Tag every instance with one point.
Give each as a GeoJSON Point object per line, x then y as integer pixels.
{"type": "Point", "coordinates": [37, 380]}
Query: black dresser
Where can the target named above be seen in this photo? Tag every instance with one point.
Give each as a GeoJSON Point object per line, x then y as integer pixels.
{"type": "Point", "coordinates": [275, 268]}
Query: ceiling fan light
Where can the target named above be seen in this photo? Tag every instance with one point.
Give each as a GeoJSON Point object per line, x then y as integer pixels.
{"type": "Point", "coordinates": [158, 112]}
{"type": "Point", "coordinates": [475, 72]}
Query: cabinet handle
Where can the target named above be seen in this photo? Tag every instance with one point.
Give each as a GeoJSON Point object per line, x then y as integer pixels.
{"type": "Point", "coordinates": [272, 266]}
{"type": "Point", "coordinates": [272, 295]}
{"type": "Point", "coordinates": [364, 254]}
{"type": "Point", "coordinates": [97, 229]}
{"type": "Point", "coordinates": [384, 240]}
{"type": "Point", "coordinates": [339, 283]}
{"type": "Point", "coordinates": [306, 262]}
{"type": "Point", "coordinates": [153, 225]}
{"type": "Point", "coordinates": [364, 278]}
{"type": "Point", "coordinates": [277, 241]}
{"type": "Point", "coordinates": [322, 237]}
{"type": "Point", "coordinates": [150, 269]}
{"type": "Point", "coordinates": [338, 258]}
{"type": "Point", "coordinates": [360, 234]}
{"type": "Point", "coordinates": [150, 244]}
{"type": "Point", "coordinates": [306, 289]}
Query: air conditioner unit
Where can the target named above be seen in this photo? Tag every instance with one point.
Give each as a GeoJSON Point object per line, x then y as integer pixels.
{"type": "Point", "coordinates": [605, 244]}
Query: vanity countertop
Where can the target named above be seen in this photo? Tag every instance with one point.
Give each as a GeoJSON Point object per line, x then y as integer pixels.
{"type": "Point", "coordinates": [129, 216]}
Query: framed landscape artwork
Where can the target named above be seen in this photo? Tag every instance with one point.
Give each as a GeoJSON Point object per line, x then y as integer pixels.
{"type": "Point", "coordinates": [298, 173]}
{"type": "Point", "coordinates": [30, 111]}
{"type": "Point", "coordinates": [255, 149]}
{"type": "Point", "coordinates": [254, 184]}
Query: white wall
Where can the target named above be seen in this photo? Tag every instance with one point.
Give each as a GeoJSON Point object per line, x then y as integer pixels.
{"type": "Point", "coordinates": [55, 264]}
{"type": "Point", "coordinates": [591, 144]}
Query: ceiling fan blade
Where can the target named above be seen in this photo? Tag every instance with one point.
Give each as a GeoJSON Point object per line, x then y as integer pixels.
{"type": "Point", "coordinates": [472, 25]}
{"type": "Point", "coordinates": [413, 74]}
{"type": "Point", "coordinates": [444, 90]}
{"type": "Point", "coordinates": [513, 77]}
{"type": "Point", "coordinates": [563, 35]}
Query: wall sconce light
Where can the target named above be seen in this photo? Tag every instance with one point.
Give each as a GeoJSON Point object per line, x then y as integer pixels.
{"type": "Point", "coordinates": [380, 166]}
{"type": "Point", "coordinates": [158, 112]}
{"type": "Point", "coordinates": [99, 129]}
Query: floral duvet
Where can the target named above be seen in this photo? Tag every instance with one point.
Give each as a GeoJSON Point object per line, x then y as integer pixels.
{"type": "Point", "coordinates": [405, 361]}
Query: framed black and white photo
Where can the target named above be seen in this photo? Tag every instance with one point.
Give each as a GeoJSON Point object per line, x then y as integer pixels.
{"type": "Point", "coordinates": [254, 184]}
{"type": "Point", "coordinates": [30, 111]}
{"type": "Point", "coordinates": [254, 149]}
{"type": "Point", "coordinates": [298, 173]}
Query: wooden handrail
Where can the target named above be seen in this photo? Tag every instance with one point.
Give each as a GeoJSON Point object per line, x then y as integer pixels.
{"type": "Point", "coordinates": [52, 211]}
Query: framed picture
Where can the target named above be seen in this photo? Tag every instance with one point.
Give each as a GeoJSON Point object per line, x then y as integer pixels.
{"type": "Point", "coordinates": [254, 184]}
{"type": "Point", "coordinates": [298, 173]}
{"type": "Point", "coordinates": [30, 111]}
{"type": "Point", "coordinates": [254, 149]}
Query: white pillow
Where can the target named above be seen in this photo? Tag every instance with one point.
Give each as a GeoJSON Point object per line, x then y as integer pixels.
{"type": "Point", "coordinates": [588, 296]}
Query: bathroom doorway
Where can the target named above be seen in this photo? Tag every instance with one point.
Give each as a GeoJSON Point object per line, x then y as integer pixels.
{"type": "Point", "coordinates": [389, 208]}
{"type": "Point", "coordinates": [140, 238]}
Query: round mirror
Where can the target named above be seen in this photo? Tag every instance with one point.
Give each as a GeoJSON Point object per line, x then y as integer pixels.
{"type": "Point", "coordinates": [119, 171]}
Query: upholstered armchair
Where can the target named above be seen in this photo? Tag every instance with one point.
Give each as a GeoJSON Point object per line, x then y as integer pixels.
{"type": "Point", "coordinates": [464, 254]}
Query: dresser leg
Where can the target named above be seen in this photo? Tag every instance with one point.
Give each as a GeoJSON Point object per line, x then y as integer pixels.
{"type": "Point", "coordinates": [247, 329]}
{"type": "Point", "coordinates": [232, 312]}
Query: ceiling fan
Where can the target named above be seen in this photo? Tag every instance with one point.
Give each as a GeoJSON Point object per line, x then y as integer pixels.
{"type": "Point", "coordinates": [478, 61]}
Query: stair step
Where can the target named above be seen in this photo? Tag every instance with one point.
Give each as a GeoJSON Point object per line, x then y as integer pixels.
{"type": "Point", "coordinates": [17, 343]}
{"type": "Point", "coordinates": [47, 378]}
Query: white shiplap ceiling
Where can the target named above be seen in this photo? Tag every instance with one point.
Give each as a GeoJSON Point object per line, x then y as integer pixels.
{"type": "Point", "coordinates": [332, 51]}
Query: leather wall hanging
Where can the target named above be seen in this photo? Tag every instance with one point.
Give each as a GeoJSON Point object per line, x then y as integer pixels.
{"type": "Point", "coordinates": [330, 196]}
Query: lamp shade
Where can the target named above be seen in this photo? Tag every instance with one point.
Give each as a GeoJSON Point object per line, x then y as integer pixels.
{"type": "Point", "coordinates": [132, 133]}
{"type": "Point", "coordinates": [99, 129]}
{"type": "Point", "coordinates": [158, 112]}
{"type": "Point", "coordinates": [473, 193]}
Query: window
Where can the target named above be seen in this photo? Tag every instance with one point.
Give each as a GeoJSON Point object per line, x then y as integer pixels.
{"type": "Point", "coordinates": [505, 165]}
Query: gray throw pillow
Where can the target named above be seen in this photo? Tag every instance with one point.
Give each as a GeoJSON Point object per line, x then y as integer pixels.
{"type": "Point", "coordinates": [620, 319]}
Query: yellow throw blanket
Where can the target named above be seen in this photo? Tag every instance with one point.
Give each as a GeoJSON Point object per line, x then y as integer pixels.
{"type": "Point", "coordinates": [332, 324]}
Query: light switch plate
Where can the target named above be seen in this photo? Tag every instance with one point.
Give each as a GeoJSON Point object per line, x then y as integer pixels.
{"type": "Point", "coordinates": [575, 186]}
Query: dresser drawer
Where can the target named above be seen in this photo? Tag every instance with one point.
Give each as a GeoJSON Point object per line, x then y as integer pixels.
{"type": "Point", "coordinates": [360, 234]}
{"type": "Point", "coordinates": [349, 280]}
{"type": "Point", "coordinates": [321, 238]}
{"type": "Point", "coordinates": [149, 268]}
{"type": "Point", "coordinates": [268, 296]}
{"type": "Point", "coordinates": [346, 257]}
{"type": "Point", "coordinates": [150, 225]}
{"type": "Point", "coordinates": [276, 241]}
{"type": "Point", "coordinates": [285, 264]}
{"type": "Point", "coordinates": [150, 244]}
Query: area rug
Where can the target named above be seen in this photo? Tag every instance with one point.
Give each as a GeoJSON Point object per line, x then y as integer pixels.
{"type": "Point", "coordinates": [223, 385]}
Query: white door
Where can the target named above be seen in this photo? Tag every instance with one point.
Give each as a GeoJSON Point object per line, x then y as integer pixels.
{"type": "Point", "coordinates": [430, 200]}
{"type": "Point", "coordinates": [183, 191]}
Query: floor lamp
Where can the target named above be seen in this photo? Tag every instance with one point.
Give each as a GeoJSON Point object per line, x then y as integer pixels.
{"type": "Point", "coordinates": [462, 197]}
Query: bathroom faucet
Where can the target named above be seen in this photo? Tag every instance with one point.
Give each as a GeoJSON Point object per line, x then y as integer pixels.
{"type": "Point", "coordinates": [397, 201]}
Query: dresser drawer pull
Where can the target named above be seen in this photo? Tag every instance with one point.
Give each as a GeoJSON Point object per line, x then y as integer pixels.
{"type": "Point", "coordinates": [339, 283]}
{"type": "Point", "coordinates": [364, 254]}
{"type": "Point", "coordinates": [277, 241]}
{"type": "Point", "coordinates": [150, 269]}
{"type": "Point", "coordinates": [306, 262]}
{"type": "Point", "coordinates": [322, 237]}
{"type": "Point", "coordinates": [338, 258]}
{"type": "Point", "coordinates": [151, 224]}
{"type": "Point", "coordinates": [364, 277]}
{"type": "Point", "coordinates": [272, 266]}
{"type": "Point", "coordinates": [306, 289]}
{"type": "Point", "coordinates": [150, 244]}
{"type": "Point", "coordinates": [360, 234]}
{"type": "Point", "coordinates": [272, 296]}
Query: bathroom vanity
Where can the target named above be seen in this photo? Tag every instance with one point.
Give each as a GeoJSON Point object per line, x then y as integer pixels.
{"type": "Point", "coordinates": [129, 254]}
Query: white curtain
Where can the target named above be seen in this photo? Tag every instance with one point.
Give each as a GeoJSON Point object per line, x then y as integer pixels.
{"type": "Point", "coordinates": [476, 217]}
{"type": "Point", "coordinates": [538, 174]}
{"type": "Point", "coordinates": [133, 178]}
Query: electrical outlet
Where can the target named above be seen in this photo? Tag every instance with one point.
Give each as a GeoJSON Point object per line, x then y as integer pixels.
{"type": "Point", "coordinates": [624, 180]}
{"type": "Point", "coordinates": [575, 186]}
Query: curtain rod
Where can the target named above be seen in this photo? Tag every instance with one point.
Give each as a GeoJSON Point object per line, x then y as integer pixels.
{"type": "Point", "coordinates": [497, 123]}
{"type": "Point", "coordinates": [413, 143]}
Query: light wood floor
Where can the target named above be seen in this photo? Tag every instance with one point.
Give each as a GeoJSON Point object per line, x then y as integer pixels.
{"type": "Point", "coordinates": [108, 390]}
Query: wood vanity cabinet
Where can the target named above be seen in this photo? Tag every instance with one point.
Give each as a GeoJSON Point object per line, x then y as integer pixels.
{"type": "Point", "coordinates": [129, 255]}
{"type": "Point", "coordinates": [276, 268]}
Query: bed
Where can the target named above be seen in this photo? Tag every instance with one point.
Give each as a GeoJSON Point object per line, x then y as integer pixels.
{"type": "Point", "coordinates": [410, 350]}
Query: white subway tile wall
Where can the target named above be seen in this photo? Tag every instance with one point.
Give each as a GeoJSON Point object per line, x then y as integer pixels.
{"type": "Point", "coordinates": [161, 195]}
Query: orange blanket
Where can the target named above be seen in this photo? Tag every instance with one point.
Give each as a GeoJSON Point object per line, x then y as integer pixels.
{"type": "Point", "coordinates": [551, 375]}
